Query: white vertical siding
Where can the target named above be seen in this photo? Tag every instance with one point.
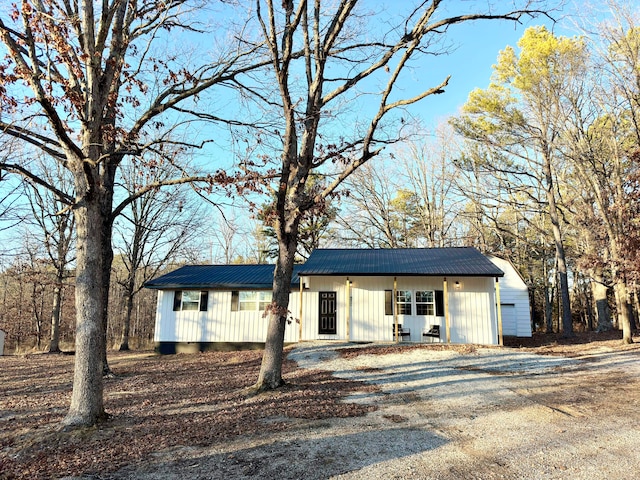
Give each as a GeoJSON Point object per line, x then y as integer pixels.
{"type": "Point", "coordinates": [472, 309]}
{"type": "Point", "coordinates": [218, 323]}
{"type": "Point", "coordinates": [472, 313]}
{"type": "Point", "coordinates": [514, 298]}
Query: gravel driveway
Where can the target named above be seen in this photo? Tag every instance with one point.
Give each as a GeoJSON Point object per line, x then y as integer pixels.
{"type": "Point", "coordinates": [445, 414]}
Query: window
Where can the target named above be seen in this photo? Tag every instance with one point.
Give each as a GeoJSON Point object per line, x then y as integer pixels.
{"type": "Point", "coordinates": [247, 300]}
{"type": "Point", "coordinates": [425, 304]}
{"type": "Point", "coordinates": [264, 300]}
{"type": "Point", "coordinates": [190, 300]}
{"type": "Point", "coordinates": [250, 300]}
{"type": "Point", "coordinates": [403, 300]}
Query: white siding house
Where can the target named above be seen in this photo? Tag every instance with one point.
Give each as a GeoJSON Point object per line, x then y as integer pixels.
{"type": "Point", "coordinates": [338, 294]}
{"type": "Point", "coordinates": [514, 300]}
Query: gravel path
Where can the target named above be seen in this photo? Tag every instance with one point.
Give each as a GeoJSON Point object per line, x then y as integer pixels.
{"type": "Point", "coordinates": [493, 413]}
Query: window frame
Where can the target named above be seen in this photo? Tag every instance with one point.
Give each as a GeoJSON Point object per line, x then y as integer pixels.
{"type": "Point", "coordinates": [404, 307]}
{"type": "Point", "coordinates": [199, 305]}
{"type": "Point", "coordinates": [260, 300]}
{"type": "Point", "coordinates": [430, 305]}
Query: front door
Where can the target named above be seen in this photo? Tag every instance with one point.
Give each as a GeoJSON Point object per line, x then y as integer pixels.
{"type": "Point", "coordinates": [327, 323]}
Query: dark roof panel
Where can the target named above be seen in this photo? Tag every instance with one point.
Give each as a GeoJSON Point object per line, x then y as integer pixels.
{"type": "Point", "coordinates": [464, 261]}
{"type": "Point", "coordinates": [222, 277]}
{"type": "Point", "coordinates": [460, 261]}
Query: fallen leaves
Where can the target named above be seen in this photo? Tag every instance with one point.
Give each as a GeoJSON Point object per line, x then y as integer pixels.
{"type": "Point", "coordinates": [156, 403]}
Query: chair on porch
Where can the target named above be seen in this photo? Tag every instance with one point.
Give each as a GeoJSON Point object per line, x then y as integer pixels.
{"type": "Point", "coordinates": [431, 333]}
{"type": "Point", "coordinates": [402, 332]}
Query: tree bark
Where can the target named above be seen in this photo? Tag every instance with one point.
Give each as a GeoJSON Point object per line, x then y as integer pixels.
{"type": "Point", "coordinates": [603, 313]}
{"type": "Point", "coordinates": [567, 322]}
{"type": "Point", "coordinates": [622, 304]}
{"type": "Point", "coordinates": [54, 342]}
{"type": "Point", "coordinates": [270, 375]}
{"type": "Point", "coordinates": [87, 406]}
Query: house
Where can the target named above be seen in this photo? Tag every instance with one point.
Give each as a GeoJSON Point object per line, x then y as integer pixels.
{"type": "Point", "coordinates": [514, 300]}
{"type": "Point", "coordinates": [363, 295]}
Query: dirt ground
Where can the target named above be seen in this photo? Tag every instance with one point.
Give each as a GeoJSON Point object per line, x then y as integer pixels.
{"type": "Point", "coordinates": [541, 408]}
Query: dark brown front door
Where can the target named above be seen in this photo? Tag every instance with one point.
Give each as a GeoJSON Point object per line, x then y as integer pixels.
{"type": "Point", "coordinates": [327, 323]}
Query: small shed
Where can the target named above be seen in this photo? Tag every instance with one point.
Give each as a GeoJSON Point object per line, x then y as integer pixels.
{"type": "Point", "coordinates": [514, 300]}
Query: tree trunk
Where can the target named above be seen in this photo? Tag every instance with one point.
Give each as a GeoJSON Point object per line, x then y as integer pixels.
{"type": "Point", "coordinates": [106, 225]}
{"type": "Point", "coordinates": [548, 309]}
{"type": "Point", "coordinates": [54, 342]}
{"type": "Point", "coordinates": [567, 322]}
{"type": "Point", "coordinates": [126, 324]}
{"type": "Point", "coordinates": [270, 376]}
{"type": "Point", "coordinates": [636, 306]}
{"type": "Point", "coordinates": [86, 399]}
{"type": "Point", "coordinates": [622, 304]}
{"type": "Point", "coordinates": [603, 313]}
{"type": "Point", "coordinates": [588, 303]}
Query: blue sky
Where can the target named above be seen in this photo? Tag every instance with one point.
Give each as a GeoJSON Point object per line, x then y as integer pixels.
{"type": "Point", "coordinates": [475, 49]}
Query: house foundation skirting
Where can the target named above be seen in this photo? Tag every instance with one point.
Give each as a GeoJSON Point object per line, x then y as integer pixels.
{"type": "Point", "coordinates": [171, 348]}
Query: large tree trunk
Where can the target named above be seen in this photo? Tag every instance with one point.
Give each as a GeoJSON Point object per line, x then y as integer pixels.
{"type": "Point", "coordinates": [603, 313]}
{"type": "Point", "coordinates": [54, 342]}
{"type": "Point", "coordinates": [86, 400]}
{"type": "Point", "coordinates": [270, 375]}
{"type": "Point", "coordinates": [622, 304]}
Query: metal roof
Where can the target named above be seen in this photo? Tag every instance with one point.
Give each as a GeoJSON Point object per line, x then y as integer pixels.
{"type": "Point", "coordinates": [220, 277]}
{"type": "Point", "coordinates": [458, 261]}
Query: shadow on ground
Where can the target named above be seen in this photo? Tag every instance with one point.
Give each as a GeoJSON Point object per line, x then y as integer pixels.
{"type": "Point", "coordinates": [298, 457]}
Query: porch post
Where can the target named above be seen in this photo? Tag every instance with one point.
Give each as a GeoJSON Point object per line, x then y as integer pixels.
{"type": "Point", "coordinates": [348, 309]}
{"type": "Point", "coordinates": [446, 310]}
{"type": "Point", "coordinates": [300, 311]}
{"type": "Point", "coordinates": [395, 309]}
{"type": "Point", "coordinates": [499, 310]}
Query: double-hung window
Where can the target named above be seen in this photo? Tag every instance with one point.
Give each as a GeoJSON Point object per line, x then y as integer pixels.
{"type": "Point", "coordinates": [247, 301]}
{"type": "Point", "coordinates": [425, 304]}
{"type": "Point", "coordinates": [250, 300]}
{"type": "Point", "coordinates": [190, 300]}
{"type": "Point", "coordinates": [403, 300]}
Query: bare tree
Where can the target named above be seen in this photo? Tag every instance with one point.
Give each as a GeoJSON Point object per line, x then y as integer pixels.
{"type": "Point", "coordinates": [150, 232]}
{"type": "Point", "coordinates": [429, 170]}
{"type": "Point", "coordinates": [83, 84]}
{"type": "Point", "coordinates": [323, 65]}
{"type": "Point", "coordinates": [55, 230]}
{"type": "Point", "coordinates": [369, 216]}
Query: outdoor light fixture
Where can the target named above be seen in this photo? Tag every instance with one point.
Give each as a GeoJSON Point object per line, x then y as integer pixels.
{"type": "Point", "coordinates": [457, 286]}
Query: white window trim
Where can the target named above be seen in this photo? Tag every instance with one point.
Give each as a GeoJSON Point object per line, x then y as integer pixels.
{"type": "Point", "coordinates": [261, 299]}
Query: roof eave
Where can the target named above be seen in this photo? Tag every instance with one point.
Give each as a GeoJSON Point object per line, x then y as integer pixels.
{"type": "Point", "coordinates": [412, 274]}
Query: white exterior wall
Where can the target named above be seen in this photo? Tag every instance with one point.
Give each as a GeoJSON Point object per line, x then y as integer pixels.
{"type": "Point", "coordinates": [514, 299]}
{"type": "Point", "coordinates": [472, 309]}
{"type": "Point", "coordinates": [218, 323]}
